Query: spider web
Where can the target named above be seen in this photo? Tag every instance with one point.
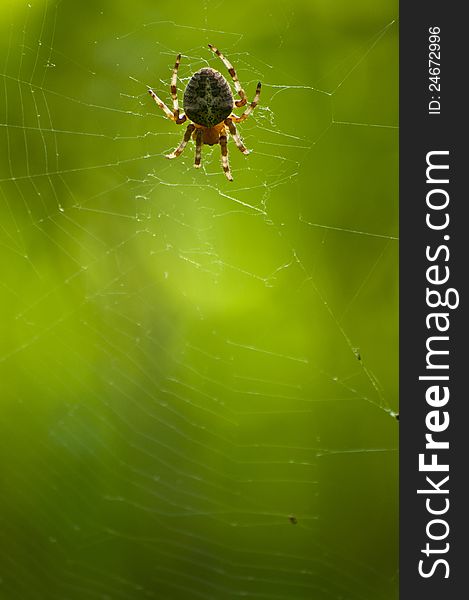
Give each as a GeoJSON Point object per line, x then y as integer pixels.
{"type": "Point", "coordinates": [199, 377]}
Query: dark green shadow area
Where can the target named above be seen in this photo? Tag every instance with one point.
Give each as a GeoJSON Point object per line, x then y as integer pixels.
{"type": "Point", "coordinates": [198, 377]}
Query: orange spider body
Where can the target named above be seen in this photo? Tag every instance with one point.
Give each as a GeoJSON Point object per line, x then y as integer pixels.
{"type": "Point", "coordinates": [210, 135]}
{"type": "Point", "coordinates": [208, 104]}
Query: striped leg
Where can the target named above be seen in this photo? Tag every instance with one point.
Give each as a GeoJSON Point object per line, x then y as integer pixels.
{"type": "Point", "coordinates": [235, 135]}
{"type": "Point", "coordinates": [232, 72]}
{"type": "Point", "coordinates": [174, 93]}
{"type": "Point", "coordinates": [174, 115]}
{"type": "Point", "coordinates": [198, 148]}
{"type": "Point", "coordinates": [178, 120]}
{"type": "Point", "coordinates": [250, 108]}
{"type": "Point", "coordinates": [224, 157]}
{"type": "Point", "coordinates": [162, 105]}
{"type": "Point", "coordinates": [187, 136]}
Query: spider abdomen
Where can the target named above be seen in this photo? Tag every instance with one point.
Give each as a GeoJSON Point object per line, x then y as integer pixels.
{"type": "Point", "coordinates": [208, 99]}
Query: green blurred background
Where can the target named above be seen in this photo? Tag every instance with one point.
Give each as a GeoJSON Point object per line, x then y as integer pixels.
{"type": "Point", "coordinates": [188, 365]}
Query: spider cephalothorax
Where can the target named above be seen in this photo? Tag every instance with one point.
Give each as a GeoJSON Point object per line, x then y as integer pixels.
{"type": "Point", "coordinates": [208, 104]}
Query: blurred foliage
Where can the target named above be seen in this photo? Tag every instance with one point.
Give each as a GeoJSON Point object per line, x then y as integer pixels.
{"type": "Point", "coordinates": [198, 377]}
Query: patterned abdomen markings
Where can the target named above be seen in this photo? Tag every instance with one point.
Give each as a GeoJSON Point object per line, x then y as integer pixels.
{"type": "Point", "coordinates": [208, 99]}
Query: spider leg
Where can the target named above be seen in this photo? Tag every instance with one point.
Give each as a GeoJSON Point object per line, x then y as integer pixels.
{"type": "Point", "coordinates": [161, 104]}
{"type": "Point", "coordinates": [178, 120]}
{"type": "Point", "coordinates": [232, 72]}
{"type": "Point", "coordinates": [198, 148]}
{"type": "Point", "coordinates": [187, 136]}
{"type": "Point", "coordinates": [174, 93]}
{"type": "Point", "coordinates": [224, 157]}
{"type": "Point", "coordinates": [235, 135]}
{"type": "Point", "coordinates": [174, 115]}
{"type": "Point", "coordinates": [250, 108]}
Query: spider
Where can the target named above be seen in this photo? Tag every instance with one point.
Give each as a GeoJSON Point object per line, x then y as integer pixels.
{"type": "Point", "coordinates": [208, 104]}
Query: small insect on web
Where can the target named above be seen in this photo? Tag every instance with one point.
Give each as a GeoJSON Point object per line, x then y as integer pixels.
{"type": "Point", "coordinates": [208, 104]}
